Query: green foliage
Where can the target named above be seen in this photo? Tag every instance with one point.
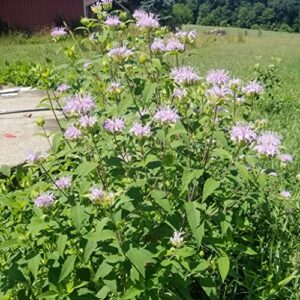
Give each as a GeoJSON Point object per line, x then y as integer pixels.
{"type": "Point", "coordinates": [181, 14]}
{"type": "Point", "coordinates": [183, 213]}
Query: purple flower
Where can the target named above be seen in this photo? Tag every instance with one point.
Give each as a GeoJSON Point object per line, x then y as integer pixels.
{"type": "Point", "coordinates": [186, 37]}
{"type": "Point", "coordinates": [175, 45]}
{"type": "Point", "coordinates": [185, 75]}
{"type": "Point", "coordinates": [273, 174]}
{"type": "Point", "coordinates": [242, 133]}
{"type": "Point", "coordinates": [44, 200]}
{"type": "Point", "coordinates": [99, 196]}
{"type": "Point", "coordinates": [126, 157]}
{"type": "Point", "coordinates": [115, 88]}
{"type": "Point", "coordinates": [34, 157]}
{"type": "Point", "coordinates": [166, 115]}
{"type": "Point", "coordinates": [115, 125]}
{"type": "Point", "coordinates": [217, 94]}
{"type": "Point", "coordinates": [72, 133]}
{"type": "Point", "coordinates": [64, 183]}
{"type": "Point", "coordinates": [268, 144]}
{"type": "Point", "coordinates": [286, 194]}
{"type": "Point", "coordinates": [192, 36]}
{"type": "Point", "coordinates": [62, 87]}
{"type": "Point", "coordinates": [234, 83]}
{"type": "Point", "coordinates": [120, 54]}
{"type": "Point", "coordinates": [145, 20]}
{"type": "Point", "coordinates": [158, 46]}
{"type": "Point", "coordinates": [86, 121]}
{"type": "Point", "coordinates": [58, 32]}
{"type": "Point", "coordinates": [139, 130]}
{"type": "Point", "coordinates": [112, 21]}
{"type": "Point", "coordinates": [285, 158]}
{"type": "Point", "coordinates": [177, 239]}
{"type": "Point", "coordinates": [179, 93]}
{"type": "Point", "coordinates": [253, 88]}
{"type": "Point", "coordinates": [79, 104]}
{"type": "Point", "coordinates": [96, 7]}
{"type": "Point", "coordinates": [217, 77]}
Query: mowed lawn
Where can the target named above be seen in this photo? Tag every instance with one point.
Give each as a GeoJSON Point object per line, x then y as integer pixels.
{"type": "Point", "coordinates": [238, 51]}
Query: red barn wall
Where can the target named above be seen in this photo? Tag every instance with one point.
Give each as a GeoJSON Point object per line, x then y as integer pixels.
{"type": "Point", "coordinates": [35, 14]}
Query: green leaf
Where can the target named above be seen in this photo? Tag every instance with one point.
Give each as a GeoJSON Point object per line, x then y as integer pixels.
{"type": "Point", "coordinates": [89, 249]}
{"type": "Point", "coordinates": [188, 176]}
{"type": "Point", "coordinates": [33, 265]}
{"type": "Point", "coordinates": [5, 170]}
{"type": "Point", "coordinates": [102, 235]}
{"type": "Point", "coordinates": [131, 293]}
{"type": "Point", "coordinates": [10, 243]}
{"type": "Point", "coordinates": [202, 266]}
{"type": "Point", "coordinates": [56, 140]}
{"type": "Point", "coordinates": [103, 270]}
{"type": "Point", "coordinates": [250, 251]}
{"type": "Point", "coordinates": [67, 267]}
{"type": "Point", "coordinates": [140, 257]}
{"type": "Point", "coordinates": [193, 217]}
{"type": "Point", "coordinates": [85, 168]}
{"type": "Point", "coordinates": [102, 294]}
{"type": "Point", "coordinates": [61, 244]}
{"type": "Point", "coordinates": [78, 215]}
{"type": "Point", "coordinates": [210, 186]}
{"type": "Point", "coordinates": [288, 279]}
{"type": "Point", "coordinates": [149, 91]}
{"type": "Point", "coordinates": [158, 196]}
{"type": "Point", "coordinates": [223, 266]}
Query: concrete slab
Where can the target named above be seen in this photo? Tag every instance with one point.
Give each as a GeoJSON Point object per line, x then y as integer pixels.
{"type": "Point", "coordinates": [18, 131]}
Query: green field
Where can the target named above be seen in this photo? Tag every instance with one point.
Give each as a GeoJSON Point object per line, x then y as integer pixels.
{"type": "Point", "coordinates": [238, 51]}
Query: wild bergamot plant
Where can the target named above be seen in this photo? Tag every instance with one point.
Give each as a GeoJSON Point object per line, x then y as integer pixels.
{"type": "Point", "coordinates": [160, 185]}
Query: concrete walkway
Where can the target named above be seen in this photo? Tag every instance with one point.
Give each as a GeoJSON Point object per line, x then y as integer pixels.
{"type": "Point", "coordinates": [18, 131]}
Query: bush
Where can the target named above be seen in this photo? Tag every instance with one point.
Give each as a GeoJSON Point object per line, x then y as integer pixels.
{"type": "Point", "coordinates": [160, 185]}
{"type": "Point", "coordinates": [181, 14]}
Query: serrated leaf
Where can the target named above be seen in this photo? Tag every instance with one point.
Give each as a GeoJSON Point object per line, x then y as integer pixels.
{"type": "Point", "coordinates": [103, 270]}
{"type": "Point", "coordinates": [140, 257]}
{"type": "Point", "coordinates": [61, 244]}
{"type": "Point", "coordinates": [85, 168]}
{"type": "Point", "coordinates": [5, 170]}
{"type": "Point", "coordinates": [223, 266]}
{"type": "Point", "coordinates": [131, 293]}
{"type": "Point", "coordinates": [210, 186]}
{"type": "Point", "coordinates": [193, 217]}
{"type": "Point", "coordinates": [33, 265]}
{"type": "Point", "coordinates": [78, 215]}
{"type": "Point", "coordinates": [89, 249]}
{"type": "Point", "coordinates": [67, 267]}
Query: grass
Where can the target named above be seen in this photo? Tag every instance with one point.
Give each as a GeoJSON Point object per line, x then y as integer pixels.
{"type": "Point", "coordinates": [238, 51]}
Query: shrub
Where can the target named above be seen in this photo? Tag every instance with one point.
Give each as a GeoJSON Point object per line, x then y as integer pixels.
{"type": "Point", "coordinates": [160, 185]}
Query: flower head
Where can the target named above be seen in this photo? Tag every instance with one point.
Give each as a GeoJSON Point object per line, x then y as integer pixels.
{"type": "Point", "coordinates": [217, 77]}
{"type": "Point", "coordinates": [35, 157]}
{"type": "Point", "coordinates": [99, 196]}
{"type": "Point", "coordinates": [86, 121]}
{"type": "Point", "coordinates": [177, 239]}
{"type": "Point", "coordinates": [115, 125]}
{"type": "Point", "coordinates": [145, 20]}
{"type": "Point", "coordinates": [112, 21]}
{"type": "Point", "coordinates": [174, 45]}
{"type": "Point", "coordinates": [179, 93]}
{"type": "Point", "coordinates": [166, 115]}
{"type": "Point", "coordinates": [217, 94]}
{"type": "Point", "coordinates": [115, 88]}
{"type": "Point", "coordinates": [298, 177]}
{"type": "Point", "coordinates": [120, 54]}
{"type": "Point", "coordinates": [253, 88]}
{"type": "Point", "coordinates": [139, 130]}
{"type": "Point", "coordinates": [58, 32]}
{"type": "Point", "coordinates": [234, 83]}
{"type": "Point", "coordinates": [79, 104]}
{"type": "Point", "coordinates": [44, 200]}
{"type": "Point", "coordinates": [63, 87]}
{"type": "Point", "coordinates": [185, 75]}
{"type": "Point", "coordinates": [186, 37]}
{"type": "Point", "coordinates": [64, 183]}
{"type": "Point", "coordinates": [286, 158]}
{"type": "Point", "coordinates": [72, 133]}
{"type": "Point", "coordinates": [286, 194]}
{"type": "Point", "coordinates": [268, 144]}
{"type": "Point", "coordinates": [242, 133]}
{"type": "Point", "coordinates": [158, 46]}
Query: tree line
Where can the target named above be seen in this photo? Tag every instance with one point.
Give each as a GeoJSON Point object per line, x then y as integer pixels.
{"type": "Point", "coordinates": [280, 15]}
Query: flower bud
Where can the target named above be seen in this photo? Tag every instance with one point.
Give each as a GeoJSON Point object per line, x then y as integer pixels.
{"type": "Point", "coordinates": [40, 122]}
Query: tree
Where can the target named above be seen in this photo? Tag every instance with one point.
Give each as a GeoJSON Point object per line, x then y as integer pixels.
{"type": "Point", "coordinates": [181, 14]}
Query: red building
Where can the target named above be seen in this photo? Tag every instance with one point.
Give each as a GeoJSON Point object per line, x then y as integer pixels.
{"type": "Point", "coordinates": [36, 14]}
